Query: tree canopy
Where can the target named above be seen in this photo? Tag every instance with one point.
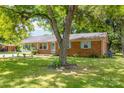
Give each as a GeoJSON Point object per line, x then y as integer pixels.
{"type": "Point", "coordinates": [102, 19]}
{"type": "Point", "coordinates": [16, 21]}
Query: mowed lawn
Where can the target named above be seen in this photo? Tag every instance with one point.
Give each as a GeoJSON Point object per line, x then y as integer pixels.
{"type": "Point", "coordinates": [34, 72]}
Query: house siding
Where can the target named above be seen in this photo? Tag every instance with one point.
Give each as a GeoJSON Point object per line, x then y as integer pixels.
{"type": "Point", "coordinates": [97, 48]}
{"type": "Point", "coordinates": [11, 48]}
{"type": "Point", "coordinates": [76, 50]}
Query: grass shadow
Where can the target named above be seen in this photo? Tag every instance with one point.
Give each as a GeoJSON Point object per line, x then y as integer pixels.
{"type": "Point", "coordinates": [34, 72]}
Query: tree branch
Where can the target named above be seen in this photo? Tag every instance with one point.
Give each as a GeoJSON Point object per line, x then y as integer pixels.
{"type": "Point", "coordinates": [54, 24]}
{"type": "Point", "coordinates": [27, 14]}
{"type": "Point", "coordinates": [68, 20]}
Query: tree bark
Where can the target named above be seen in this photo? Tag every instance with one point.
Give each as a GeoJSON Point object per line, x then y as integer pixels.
{"type": "Point", "coordinates": [66, 34]}
{"type": "Point", "coordinates": [63, 39]}
{"type": "Point", "coordinates": [63, 53]}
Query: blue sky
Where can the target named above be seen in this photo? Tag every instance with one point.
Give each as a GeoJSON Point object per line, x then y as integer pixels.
{"type": "Point", "coordinates": [39, 30]}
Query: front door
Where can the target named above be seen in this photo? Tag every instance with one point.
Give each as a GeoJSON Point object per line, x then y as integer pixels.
{"type": "Point", "coordinates": [52, 47]}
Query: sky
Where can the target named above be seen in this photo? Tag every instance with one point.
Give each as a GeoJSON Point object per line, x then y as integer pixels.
{"type": "Point", "coordinates": [39, 30]}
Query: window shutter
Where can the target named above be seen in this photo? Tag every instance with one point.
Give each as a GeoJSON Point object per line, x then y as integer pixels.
{"type": "Point", "coordinates": [89, 44]}
{"type": "Point", "coordinates": [81, 45]}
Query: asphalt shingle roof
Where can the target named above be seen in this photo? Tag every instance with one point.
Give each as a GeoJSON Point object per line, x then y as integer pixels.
{"type": "Point", "coordinates": [49, 38]}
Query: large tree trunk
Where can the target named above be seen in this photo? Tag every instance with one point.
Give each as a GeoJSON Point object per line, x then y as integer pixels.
{"type": "Point", "coordinates": [66, 34]}
{"type": "Point", "coordinates": [63, 39]}
{"type": "Point", "coordinates": [63, 54]}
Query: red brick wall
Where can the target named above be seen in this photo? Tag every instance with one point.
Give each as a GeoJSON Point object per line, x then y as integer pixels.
{"type": "Point", "coordinates": [76, 50]}
{"type": "Point", "coordinates": [10, 48]}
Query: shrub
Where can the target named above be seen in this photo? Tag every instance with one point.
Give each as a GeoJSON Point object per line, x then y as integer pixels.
{"type": "Point", "coordinates": [34, 52]}
{"type": "Point", "coordinates": [18, 48]}
{"type": "Point", "coordinates": [55, 64]}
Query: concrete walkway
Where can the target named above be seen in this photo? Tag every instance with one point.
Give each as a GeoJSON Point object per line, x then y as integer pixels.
{"type": "Point", "coordinates": [7, 55]}
{"type": "Point", "coordinates": [14, 55]}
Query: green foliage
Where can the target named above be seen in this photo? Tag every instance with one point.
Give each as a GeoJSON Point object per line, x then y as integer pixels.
{"type": "Point", "coordinates": [34, 52]}
{"type": "Point", "coordinates": [16, 22]}
{"type": "Point", "coordinates": [19, 48]}
{"type": "Point", "coordinates": [101, 19]}
{"type": "Point", "coordinates": [90, 19]}
{"type": "Point", "coordinates": [13, 27]}
{"type": "Point", "coordinates": [59, 15]}
{"type": "Point", "coordinates": [55, 64]}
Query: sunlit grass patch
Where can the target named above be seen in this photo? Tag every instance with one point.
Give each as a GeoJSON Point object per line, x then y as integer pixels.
{"type": "Point", "coordinates": [34, 72]}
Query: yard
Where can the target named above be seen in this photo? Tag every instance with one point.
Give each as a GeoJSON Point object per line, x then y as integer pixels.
{"type": "Point", "coordinates": [34, 72]}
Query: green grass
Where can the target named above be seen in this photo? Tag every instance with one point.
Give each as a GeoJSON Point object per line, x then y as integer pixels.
{"type": "Point", "coordinates": [91, 72]}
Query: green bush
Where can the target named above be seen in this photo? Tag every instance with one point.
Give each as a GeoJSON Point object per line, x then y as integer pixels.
{"type": "Point", "coordinates": [55, 64]}
{"type": "Point", "coordinates": [34, 52]}
{"type": "Point", "coordinates": [18, 48]}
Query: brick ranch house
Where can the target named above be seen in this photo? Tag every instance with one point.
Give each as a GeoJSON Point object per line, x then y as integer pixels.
{"type": "Point", "coordinates": [83, 44]}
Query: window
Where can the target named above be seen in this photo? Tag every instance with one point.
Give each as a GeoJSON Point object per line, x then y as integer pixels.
{"type": "Point", "coordinates": [27, 46]}
{"type": "Point", "coordinates": [86, 44]}
{"type": "Point", "coordinates": [43, 46]}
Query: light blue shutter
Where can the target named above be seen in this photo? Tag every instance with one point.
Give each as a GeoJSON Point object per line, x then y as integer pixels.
{"type": "Point", "coordinates": [89, 44]}
{"type": "Point", "coordinates": [81, 44]}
